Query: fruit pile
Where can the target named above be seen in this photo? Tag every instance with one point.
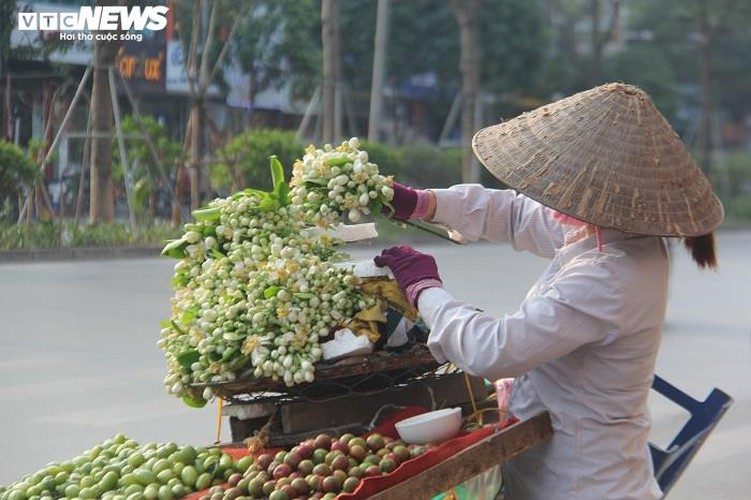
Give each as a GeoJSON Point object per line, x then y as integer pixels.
{"type": "Point", "coordinates": [254, 290]}
{"type": "Point", "coordinates": [318, 468]}
{"type": "Point", "coordinates": [121, 469]}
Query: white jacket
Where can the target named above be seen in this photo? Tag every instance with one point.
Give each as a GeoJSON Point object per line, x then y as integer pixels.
{"type": "Point", "coordinates": [582, 345]}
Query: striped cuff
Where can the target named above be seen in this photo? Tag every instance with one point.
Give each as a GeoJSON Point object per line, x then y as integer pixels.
{"type": "Point", "coordinates": [413, 291]}
{"type": "Point", "coordinates": [423, 203]}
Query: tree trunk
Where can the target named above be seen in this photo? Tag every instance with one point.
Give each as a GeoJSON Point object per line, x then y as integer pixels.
{"type": "Point", "coordinates": [469, 65]}
{"type": "Point", "coordinates": [195, 153]}
{"type": "Point", "coordinates": [102, 201]}
{"type": "Point", "coordinates": [601, 38]}
{"type": "Point", "coordinates": [379, 70]}
{"type": "Point", "coordinates": [707, 105]}
{"type": "Point", "coordinates": [330, 42]}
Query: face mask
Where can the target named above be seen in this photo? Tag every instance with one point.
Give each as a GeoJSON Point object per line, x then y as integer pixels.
{"type": "Point", "coordinates": [567, 219]}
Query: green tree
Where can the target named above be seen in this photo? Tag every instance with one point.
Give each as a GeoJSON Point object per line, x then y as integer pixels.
{"type": "Point", "coordinates": [17, 173]}
{"type": "Point", "coordinates": [245, 158]}
{"type": "Point", "coordinates": [704, 45]}
{"type": "Point", "coordinates": [273, 45]}
{"type": "Point", "coordinates": [424, 40]}
{"type": "Point", "coordinates": [150, 175]}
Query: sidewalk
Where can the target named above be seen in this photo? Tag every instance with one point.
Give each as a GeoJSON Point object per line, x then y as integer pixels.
{"type": "Point", "coordinates": [68, 253]}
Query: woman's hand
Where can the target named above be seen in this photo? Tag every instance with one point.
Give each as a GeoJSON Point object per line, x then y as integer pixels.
{"type": "Point", "coordinates": [411, 203]}
{"type": "Point", "coordinates": [414, 271]}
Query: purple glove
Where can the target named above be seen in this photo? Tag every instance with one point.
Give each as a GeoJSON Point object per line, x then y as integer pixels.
{"type": "Point", "coordinates": [414, 271]}
{"type": "Point", "coordinates": [408, 203]}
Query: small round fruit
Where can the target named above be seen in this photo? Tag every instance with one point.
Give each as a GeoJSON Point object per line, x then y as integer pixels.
{"type": "Point", "coordinates": [350, 484]}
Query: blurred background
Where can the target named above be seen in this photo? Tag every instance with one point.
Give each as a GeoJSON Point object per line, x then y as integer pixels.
{"type": "Point", "coordinates": [113, 143]}
{"type": "Point", "coordinates": [200, 105]}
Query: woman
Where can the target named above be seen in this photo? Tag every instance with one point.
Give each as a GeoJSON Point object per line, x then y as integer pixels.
{"type": "Point", "coordinates": [597, 180]}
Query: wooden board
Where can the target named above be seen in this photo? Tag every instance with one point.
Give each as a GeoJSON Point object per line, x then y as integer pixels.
{"type": "Point", "coordinates": [436, 393]}
{"type": "Point", "coordinates": [389, 364]}
{"type": "Point", "coordinates": [483, 455]}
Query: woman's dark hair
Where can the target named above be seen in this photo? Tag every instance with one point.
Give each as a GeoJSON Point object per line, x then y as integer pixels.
{"type": "Point", "coordinates": [702, 250]}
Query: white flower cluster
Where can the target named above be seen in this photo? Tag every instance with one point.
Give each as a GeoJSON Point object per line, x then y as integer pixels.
{"type": "Point", "coordinates": [253, 292]}
{"type": "Point", "coordinates": [330, 182]}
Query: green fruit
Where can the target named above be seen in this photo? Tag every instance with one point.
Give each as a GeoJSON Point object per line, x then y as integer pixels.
{"type": "Point", "coordinates": [145, 476]}
{"type": "Point", "coordinates": [72, 491]}
{"type": "Point", "coordinates": [133, 488]}
{"type": "Point", "coordinates": [203, 481]}
{"type": "Point", "coordinates": [87, 493]}
{"type": "Point", "coordinates": [165, 493]}
{"type": "Point", "coordinates": [151, 492]}
{"type": "Point", "coordinates": [244, 463]}
{"type": "Point", "coordinates": [160, 465]}
{"type": "Point", "coordinates": [164, 476]}
{"type": "Point", "coordinates": [278, 495]}
{"type": "Point", "coordinates": [136, 459]}
{"type": "Point", "coordinates": [109, 481]}
{"type": "Point", "coordinates": [189, 475]}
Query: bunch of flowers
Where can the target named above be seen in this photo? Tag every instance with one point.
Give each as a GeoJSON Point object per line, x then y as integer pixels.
{"type": "Point", "coordinates": [253, 292]}
{"type": "Point", "coordinates": [331, 182]}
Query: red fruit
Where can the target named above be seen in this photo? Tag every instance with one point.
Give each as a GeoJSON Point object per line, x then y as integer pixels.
{"type": "Point", "coordinates": [322, 470]}
{"type": "Point", "coordinates": [292, 459]}
{"type": "Point", "coordinates": [357, 452]}
{"type": "Point", "coordinates": [330, 456]}
{"type": "Point", "coordinates": [346, 437]}
{"type": "Point", "coordinates": [301, 486]}
{"type": "Point", "coordinates": [340, 446]}
{"type": "Point", "coordinates": [350, 484]}
{"type": "Point", "coordinates": [319, 455]}
{"type": "Point", "coordinates": [402, 452]}
{"type": "Point", "coordinates": [273, 465]}
{"type": "Point", "coordinates": [282, 470]}
{"type": "Point", "coordinates": [315, 482]}
{"type": "Point", "coordinates": [357, 441]}
{"type": "Point", "coordinates": [322, 441]}
{"type": "Point", "coordinates": [372, 470]}
{"type": "Point", "coordinates": [375, 441]}
{"type": "Point", "coordinates": [305, 450]}
{"type": "Point", "coordinates": [306, 466]}
{"type": "Point", "coordinates": [340, 474]}
{"type": "Point", "coordinates": [332, 484]}
{"type": "Point", "coordinates": [340, 462]}
{"type": "Point", "coordinates": [234, 479]}
{"type": "Point", "coordinates": [263, 461]}
{"type": "Point", "coordinates": [269, 486]}
{"type": "Point", "coordinates": [289, 490]}
{"type": "Point", "coordinates": [387, 465]}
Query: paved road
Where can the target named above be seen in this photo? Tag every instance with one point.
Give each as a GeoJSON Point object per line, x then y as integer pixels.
{"type": "Point", "coordinates": [79, 364]}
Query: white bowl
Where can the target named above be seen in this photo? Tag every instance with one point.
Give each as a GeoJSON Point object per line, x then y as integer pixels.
{"type": "Point", "coordinates": [431, 427]}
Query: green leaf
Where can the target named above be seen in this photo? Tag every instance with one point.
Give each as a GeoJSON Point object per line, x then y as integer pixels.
{"type": "Point", "coordinates": [194, 402]}
{"type": "Point", "coordinates": [176, 327]}
{"type": "Point", "coordinates": [390, 207]}
{"type": "Point", "coordinates": [271, 292]}
{"type": "Point", "coordinates": [207, 214]}
{"type": "Point", "coordinates": [315, 183]}
{"type": "Point", "coordinates": [277, 172]}
{"type": "Point", "coordinates": [304, 295]}
{"type": "Point", "coordinates": [281, 188]}
{"type": "Point", "coordinates": [187, 358]}
{"type": "Point", "coordinates": [337, 162]}
{"type": "Point", "coordinates": [268, 203]}
{"type": "Point", "coordinates": [175, 249]}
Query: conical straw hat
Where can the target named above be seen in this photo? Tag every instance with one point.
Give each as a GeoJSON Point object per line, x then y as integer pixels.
{"type": "Point", "coordinates": [606, 156]}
